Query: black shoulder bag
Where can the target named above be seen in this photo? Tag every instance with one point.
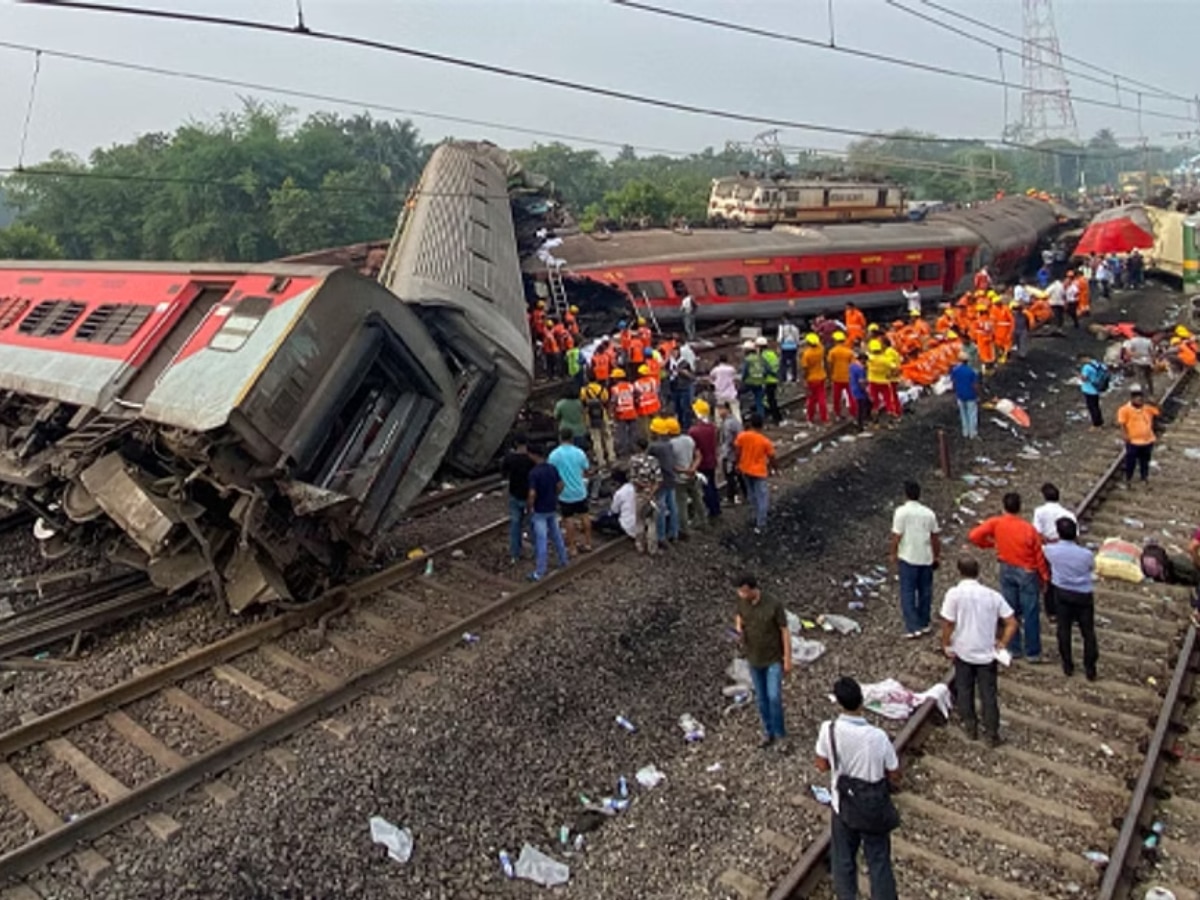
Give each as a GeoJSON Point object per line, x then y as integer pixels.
{"type": "Point", "coordinates": [864, 806]}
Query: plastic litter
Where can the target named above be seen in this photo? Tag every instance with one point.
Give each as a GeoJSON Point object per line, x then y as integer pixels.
{"type": "Point", "coordinates": [399, 841]}
{"type": "Point", "coordinates": [822, 795]}
{"type": "Point", "coordinates": [469, 638]}
{"type": "Point", "coordinates": [840, 624]}
{"type": "Point", "coordinates": [892, 700]}
{"type": "Point", "coordinates": [622, 787]}
{"type": "Point", "coordinates": [626, 724]}
{"type": "Point", "coordinates": [1190, 453]}
{"type": "Point", "coordinates": [1159, 893]}
{"type": "Point", "coordinates": [506, 864]}
{"type": "Point", "coordinates": [1107, 750]}
{"type": "Point", "coordinates": [1132, 522]}
{"type": "Point", "coordinates": [650, 776]}
{"type": "Point", "coordinates": [429, 566]}
{"type": "Point", "coordinates": [415, 553]}
{"type": "Point", "coordinates": [534, 865]}
{"type": "Point", "coordinates": [715, 767]}
{"type": "Point", "coordinates": [805, 651]}
{"type": "Point", "coordinates": [1096, 858]}
{"type": "Point", "coordinates": [1004, 657]}
{"type": "Point", "coordinates": [856, 605]}
{"type": "Point", "coordinates": [693, 731]}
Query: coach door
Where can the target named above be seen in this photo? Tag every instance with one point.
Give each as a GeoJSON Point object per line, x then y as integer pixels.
{"type": "Point", "coordinates": [697, 287]}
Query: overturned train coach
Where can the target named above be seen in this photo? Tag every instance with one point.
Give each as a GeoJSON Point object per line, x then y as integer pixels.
{"type": "Point", "coordinates": [253, 427]}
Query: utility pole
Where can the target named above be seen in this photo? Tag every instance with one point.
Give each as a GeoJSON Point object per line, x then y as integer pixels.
{"type": "Point", "coordinates": [1046, 107]}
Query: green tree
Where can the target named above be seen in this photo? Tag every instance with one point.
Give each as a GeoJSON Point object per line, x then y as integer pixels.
{"type": "Point", "coordinates": [19, 241]}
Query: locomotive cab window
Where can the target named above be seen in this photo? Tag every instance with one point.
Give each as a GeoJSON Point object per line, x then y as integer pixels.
{"type": "Point", "coordinates": [731, 286]}
{"type": "Point", "coordinates": [651, 290]}
{"type": "Point", "coordinates": [929, 272]}
{"type": "Point", "coordinates": [806, 281]}
{"type": "Point", "coordinates": [839, 279]}
{"type": "Point", "coordinates": [904, 275]}
{"type": "Point", "coordinates": [772, 283]}
{"type": "Point", "coordinates": [240, 324]}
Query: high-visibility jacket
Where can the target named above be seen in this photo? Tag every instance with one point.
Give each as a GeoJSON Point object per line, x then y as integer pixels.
{"type": "Point", "coordinates": [856, 325]}
{"type": "Point", "coordinates": [981, 334]}
{"type": "Point", "coordinates": [812, 364]}
{"type": "Point", "coordinates": [895, 361]}
{"type": "Point", "coordinates": [602, 365]}
{"type": "Point", "coordinates": [573, 361]}
{"type": "Point", "coordinates": [625, 341]}
{"type": "Point", "coordinates": [754, 370]}
{"type": "Point", "coordinates": [944, 323]}
{"type": "Point", "coordinates": [771, 361]}
{"type": "Point", "coordinates": [624, 402]}
{"type": "Point", "coordinates": [563, 337]}
{"type": "Point", "coordinates": [537, 322]}
{"type": "Point", "coordinates": [1187, 353]}
{"type": "Point", "coordinates": [646, 391]}
{"type": "Point", "coordinates": [571, 322]}
{"type": "Point", "coordinates": [654, 364]}
{"type": "Point", "coordinates": [1003, 324]}
{"type": "Point", "coordinates": [840, 358]}
{"type": "Point", "coordinates": [550, 343]}
{"type": "Point", "coordinates": [637, 351]}
{"type": "Point", "coordinates": [646, 335]}
{"type": "Point", "coordinates": [879, 368]}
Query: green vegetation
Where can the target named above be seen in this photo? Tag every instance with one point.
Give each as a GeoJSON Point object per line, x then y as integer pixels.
{"type": "Point", "coordinates": [257, 184]}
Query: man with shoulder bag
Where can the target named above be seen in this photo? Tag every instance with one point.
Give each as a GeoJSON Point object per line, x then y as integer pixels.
{"type": "Point", "coordinates": [864, 771]}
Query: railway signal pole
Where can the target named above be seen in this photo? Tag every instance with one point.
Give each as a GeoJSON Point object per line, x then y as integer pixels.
{"type": "Point", "coordinates": [1046, 108]}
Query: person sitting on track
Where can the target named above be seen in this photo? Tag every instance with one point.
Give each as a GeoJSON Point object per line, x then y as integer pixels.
{"type": "Point", "coordinates": [621, 517]}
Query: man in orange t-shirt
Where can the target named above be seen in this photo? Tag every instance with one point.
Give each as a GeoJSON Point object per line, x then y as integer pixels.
{"type": "Point", "coordinates": [840, 358]}
{"type": "Point", "coordinates": [755, 454]}
{"type": "Point", "coordinates": [812, 364]}
{"type": "Point", "coordinates": [1136, 419]}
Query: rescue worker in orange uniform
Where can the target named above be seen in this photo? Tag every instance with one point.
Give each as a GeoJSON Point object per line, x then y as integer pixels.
{"type": "Point", "coordinates": [856, 324]}
{"type": "Point", "coordinates": [840, 358]}
{"type": "Point", "coordinates": [624, 413]}
{"type": "Point", "coordinates": [551, 351]}
{"type": "Point", "coordinates": [624, 342]}
{"type": "Point", "coordinates": [983, 280]}
{"type": "Point", "coordinates": [1085, 298]}
{"type": "Point", "coordinates": [1003, 325]}
{"type": "Point", "coordinates": [981, 334]}
{"type": "Point", "coordinates": [602, 363]}
{"type": "Point", "coordinates": [812, 366]}
{"type": "Point", "coordinates": [571, 323]}
{"type": "Point", "coordinates": [636, 354]}
{"type": "Point", "coordinates": [945, 320]}
{"type": "Point", "coordinates": [919, 328]}
{"type": "Point", "coordinates": [645, 391]}
{"type": "Point", "coordinates": [643, 331]}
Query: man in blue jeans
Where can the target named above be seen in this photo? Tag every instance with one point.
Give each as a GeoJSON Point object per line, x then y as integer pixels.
{"type": "Point", "coordinates": [916, 546]}
{"type": "Point", "coordinates": [761, 624]}
{"type": "Point", "coordinates": [966, 392]}
{"type": "Point", "coordinates": [668, 507]}
{"type": "Point", "coordinates": [516, 467]}
{"type": "Point", "coordinates": [542, 505]}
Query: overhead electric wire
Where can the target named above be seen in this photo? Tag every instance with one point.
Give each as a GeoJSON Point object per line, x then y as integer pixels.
{"type": "Point", "coordinates": [523, 75]}
{"type": "Point", "coordinates": [1149, 88]}
{"type": "Point", "coordinates": [871, 55]}
{"type": "Point", "coordinates": [324, 98]}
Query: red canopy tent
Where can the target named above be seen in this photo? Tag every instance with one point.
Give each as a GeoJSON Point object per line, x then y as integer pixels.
{"type": "Point", "coordinates": [1117, 233]}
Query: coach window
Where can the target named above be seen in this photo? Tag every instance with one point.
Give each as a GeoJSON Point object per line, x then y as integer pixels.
{"type": "Point", "coordinates": [806, 281]}
{"type": "Point", "coordinates": [902, 275]}
{"type": "Point", "coordinates": [929, 272]}
{"type": "Point", "coordinates": [871, 275]}
{"type": "Point", "coordinates": [840, 279]}
{"type": "Point", "coordinates": [772, 283]}
{"type": "Point", "coordinates": [649, 290]}
{"type": "Point", "coordinates": [11, 309]}
{"type": "Point", "coordinates": [240, 323]}
{"type": "Point", "coordinates": [731, 286]}
{"type": "Point", "coordinates": [113, 323]}
{"type": "Point", "coordinates": [51, 318]}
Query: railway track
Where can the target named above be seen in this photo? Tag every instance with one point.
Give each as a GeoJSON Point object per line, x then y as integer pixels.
{"type": "Point", "coordinates": [245, 693]}
{"type": "Point", "coordinates": [1088, 767]}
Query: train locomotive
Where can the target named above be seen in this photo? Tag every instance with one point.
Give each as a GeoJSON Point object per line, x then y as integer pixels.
{"type": "Point", "coordinates": [254, 428]}
{"type": "Point", "coordinates": [806, 269]}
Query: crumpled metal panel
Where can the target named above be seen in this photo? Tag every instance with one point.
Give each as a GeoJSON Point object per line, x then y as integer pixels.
{"type": "Point", "coordinates": [143, 517]}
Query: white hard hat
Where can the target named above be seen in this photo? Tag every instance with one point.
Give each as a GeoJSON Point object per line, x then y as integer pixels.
{"type": "Point", "coordinates": [748, 345]}
{"type": "Point", "coordinates": [760, 342]}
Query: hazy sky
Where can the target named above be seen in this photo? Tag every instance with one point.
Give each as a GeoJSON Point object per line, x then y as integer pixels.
{"type": "Point", "coordinates": [80, 105]}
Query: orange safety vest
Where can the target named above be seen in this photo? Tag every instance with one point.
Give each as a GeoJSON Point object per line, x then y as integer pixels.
{"type": "Point", "coordinates": [636, 351]}
{"type": "Point", "coordinates": [1187, 353]}
{"type": "Point", "coordinates": [623, 401]}
{"type": "Point", "coordinates": [1085, 294]}
{"type": "Point", "coordinates": [646, 389]}
{"type": "Point", "coordinates": [549, 342]}
{"type": "Point", "coordinates": [563, 337]}
{"type": "Point", "coordinates": [602, 365]}
{"type": "Point", "coordinates": [981, 333]}
{"type": "Point", "coordinates": [944, 323]}
{"type": "Point", "coordinates": [646, 335]}
{"type": "Point", "coordinates": [626, 341]}
{"type": "Point", "coordinates": [856, 325]}
{"type": "Point", "coordinates": [537, 322]}
{"type": "Point", "coordinates": [1002, 326]}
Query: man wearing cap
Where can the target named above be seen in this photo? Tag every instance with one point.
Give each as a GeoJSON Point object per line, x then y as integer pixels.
{"type": "Point", "coordinates": [754, 375]}
{"type": "Point", "coordinates": [966, 392]}
{"type": "Point", "coordinates": [624, 406]}
{"type": "Point", "coordinates": [704, 433]}
{"type": "Point", "coordinates": [645, 391]}
{"type": "Point", "coordinates": [789, 347]}
{"type": "Point", "coordinates": [812, 364]}
{"type": "Point", "coordinates": [879, 369]}
{"type": "Point", "coordinates": [1136, 419]}
{"type": "Point", "coordinates": [840, 359]}
{"type": "Point", "coordinates": [664, 500]}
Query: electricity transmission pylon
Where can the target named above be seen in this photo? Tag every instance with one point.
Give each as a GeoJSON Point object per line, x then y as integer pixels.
{"type": "Point", "coordinates": [1046, 108]}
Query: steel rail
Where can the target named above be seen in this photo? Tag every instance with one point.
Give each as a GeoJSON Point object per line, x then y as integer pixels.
{"type": "Point", "coordinates": [810, 869]}
{"type": "Point", "coordinates": [55, 844]}
{"type": "Point", "coordinates": [71, 623]}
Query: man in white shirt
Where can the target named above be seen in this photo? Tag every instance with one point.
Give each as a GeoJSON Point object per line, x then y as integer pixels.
{"type": "Point", "coordinates": [687, 308]}
{"type": "Point", "coordinates": [1046, 516]}
{"type": "Point", "coordinates": [1021, 294]}
{"type": "Point", "coordinates": [970, 614]}
{"type": "Point", "coordinates": [857, 750]}
{"type": "Point", "coordinates": [912, 299]}
{"type": "Point", "coordinates": [1056, 296]}
{"type": "Point", "coordinates": [1139, 351]}
{"type": "Point", "coordinates": [724, 381]}
{"type": "Point", "coordinates": [622, 512]}
{"type": "Point", "coordinates": [916, 546]}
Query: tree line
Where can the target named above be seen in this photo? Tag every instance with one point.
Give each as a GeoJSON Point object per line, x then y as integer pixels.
{"type": "Point", "coordinates": [258, 184]}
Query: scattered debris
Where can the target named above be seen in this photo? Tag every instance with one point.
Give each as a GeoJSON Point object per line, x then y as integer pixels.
{"type": "Point", "coordinates": [469, 638]}
{"type": "Point", "coordinates": [399, 841]}
{"type": "Point", "coordinates": [626, 724]}
{"type": "Point", "coordinates": [506, 865]}
{"type": "Point", "coordinates": [1120, 560]}
{"type": "Point", "coordinates": [715, 767]}
{"type": "Point", "coordinates": [822, 795]}
{"type": "Point", "coordinates": [650, 776]}
{"type": "Point", "coordinates": [892, 700]}
{"type": "Point", "coordinates": [1096, 858]}
{"type": "Point", "coordinates": [840, 624]}
{"type": "Point", "coordinates": [1191, 452]}
{"type": "Point", "coordinates": [534, 865]}
{"type": "Point", "coordinates": [458, 553]}
{"type": "Point", "coordinates": [693, 731]}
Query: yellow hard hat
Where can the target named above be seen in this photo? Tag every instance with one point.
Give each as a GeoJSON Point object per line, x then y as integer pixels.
{"type": "Point", "coordinates": [618, 373]}
{"type": "Point", "coordinates": [701, 408]}
{"type": "Point", "coordinates": [812, 339]}
{"type": "Point", "coordinates": [875, 346]}
{"type": "Point", "coordinates": [872, 328]}
{"type": "Point", "coordinates": [1182, 332]}
{"type": "Point", "coordinates": [541, 304]}
{"type": "Point", "coordinates": [914, 313]}
{"type": "Point", "coordinates": [991, 295]}
{"type": "Point", "coordinates": [839, 335]}
{"type": "Point", "coordinates": [1014, 305]}
{"type": "Point", "coordinates": [641, 321]}
{"type": "Point", "coordinates": [1175, 341]}
{"type": "Point", "coordinates": [952, 335]}
{"type": "Point", "coordinates": [659, 425]}
{"type": "Point", "coordinates": [673, 425]}
{"type": "Point", "coordinates": [981, 307]}
{"type": "Point", "coordinates": [574, 309]}
{"type": "Point", "coordinates": [643, 370]}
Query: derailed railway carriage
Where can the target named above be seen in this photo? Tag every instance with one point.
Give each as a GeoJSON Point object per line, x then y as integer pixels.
{"type": "Point", "coordinates": [246, 426]}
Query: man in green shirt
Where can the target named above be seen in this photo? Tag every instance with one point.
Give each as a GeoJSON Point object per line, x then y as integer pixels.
{"type": "Point", "coordinates": [568, 413]}
{"type": "Point", "coordinates": [761, 624]}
